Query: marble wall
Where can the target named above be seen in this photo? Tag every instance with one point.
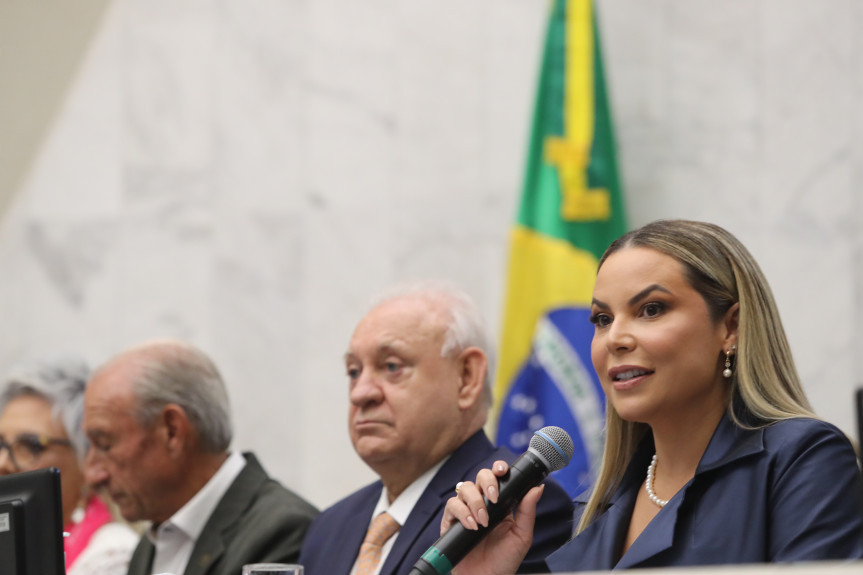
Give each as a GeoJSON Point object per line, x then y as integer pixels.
{"type": "Point", "coordinates": [245, 174]}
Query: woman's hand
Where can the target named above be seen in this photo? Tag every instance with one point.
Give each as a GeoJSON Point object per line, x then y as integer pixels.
{"type": "Point", "coordinates": [502, 550]}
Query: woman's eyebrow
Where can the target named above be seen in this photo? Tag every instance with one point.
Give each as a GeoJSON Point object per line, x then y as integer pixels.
{"type": "Point", "coordinates": [647, 291]}
{"type": "Point", "coordinates": [636, 298]}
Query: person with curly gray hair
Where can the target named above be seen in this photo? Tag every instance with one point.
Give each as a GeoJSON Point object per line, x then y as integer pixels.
{"type": "Point", "coordinates": [41, 408]}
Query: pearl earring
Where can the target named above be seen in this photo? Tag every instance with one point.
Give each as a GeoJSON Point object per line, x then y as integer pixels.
{"type": "Point", "coordinates": [727, 373]}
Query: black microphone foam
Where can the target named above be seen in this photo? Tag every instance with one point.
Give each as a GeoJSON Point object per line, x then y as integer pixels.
{"type": "Point", "coordinates": [550, 449]}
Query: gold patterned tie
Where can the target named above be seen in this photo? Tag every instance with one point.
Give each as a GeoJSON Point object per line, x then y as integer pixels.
{"type": "Point", "coordinates": [382, 528]}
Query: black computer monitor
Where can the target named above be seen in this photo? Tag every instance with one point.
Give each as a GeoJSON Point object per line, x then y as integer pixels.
{"type": "Point", "coordinates": [31, 523]}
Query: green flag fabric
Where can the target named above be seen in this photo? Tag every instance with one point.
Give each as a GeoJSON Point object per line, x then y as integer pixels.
{"type": "Point", "coordinates": [571, 210]}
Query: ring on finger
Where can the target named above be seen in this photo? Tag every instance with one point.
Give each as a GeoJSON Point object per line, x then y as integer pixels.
{"type": "Point", "coordinates": [458, 486]}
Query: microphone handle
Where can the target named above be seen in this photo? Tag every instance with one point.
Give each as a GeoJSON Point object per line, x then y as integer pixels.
{"type": "Point", "coordinates": [525, 473]}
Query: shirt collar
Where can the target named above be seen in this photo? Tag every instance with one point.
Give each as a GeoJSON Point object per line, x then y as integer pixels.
{"type": "Point", "coordinates": [401, 508]}
{"type": "Point", "coordinates": [191, 517]}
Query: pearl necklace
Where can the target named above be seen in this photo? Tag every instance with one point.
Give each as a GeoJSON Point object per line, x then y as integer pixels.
{"type": "Point", "coordinates": [648, 484]}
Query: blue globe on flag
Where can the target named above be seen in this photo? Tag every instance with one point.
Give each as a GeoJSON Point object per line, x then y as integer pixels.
{"type": "Point", "coordinates": [558, 386]}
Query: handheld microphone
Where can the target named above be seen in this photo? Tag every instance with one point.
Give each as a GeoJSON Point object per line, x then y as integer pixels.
{"type": "Point", "coordinates": [550, 449]}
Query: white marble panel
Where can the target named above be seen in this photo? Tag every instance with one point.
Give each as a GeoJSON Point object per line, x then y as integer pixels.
{"type": "Point", "coordinates": [511, 53]}
{"type": "Point", "coordinates": [712, 113]}
{"type": "Point", "coordinates": [258, 93]}
{"type": "Point", "coordinates": [808, 215]}
{"type": "Point", "coordinates": [255, 323]}
{"type": "Point", "coordinates": [808, 96]}
{"type": "Point", "coordinates": [163, 284]}
{"type": "Point", "coordinates": [168, 53]}
{"type": "Point", "coordinates": [856, 117]}
{"type": "Point", "coordinates": [351, 119]}
{"type": "Point", "coordinates": [634, 37]}
{"type": "Point", "coordinates": [442, 94]}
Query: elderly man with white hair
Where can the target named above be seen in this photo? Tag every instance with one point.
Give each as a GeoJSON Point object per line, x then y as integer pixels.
{"type": "Point", "coordinates": [419, 374]}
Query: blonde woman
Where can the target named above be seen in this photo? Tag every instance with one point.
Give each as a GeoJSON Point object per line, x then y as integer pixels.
{"type": "Point", "coordinates": [712, 452]}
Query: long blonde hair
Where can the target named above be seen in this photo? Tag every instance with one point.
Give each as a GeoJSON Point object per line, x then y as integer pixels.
{"type": "Point", "coordinates": [764, 383]}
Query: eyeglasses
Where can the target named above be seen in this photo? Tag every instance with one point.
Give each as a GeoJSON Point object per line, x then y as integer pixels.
{"type": "Point", "coordinates": [25, 450]}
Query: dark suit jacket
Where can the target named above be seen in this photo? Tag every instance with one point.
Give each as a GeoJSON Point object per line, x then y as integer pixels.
{"type": "Point", "coordinates": [333, 541]}
{"type": "Point", "coordinates": [787, 492]}
{"type": "Point", "coordinates": [257, 521]}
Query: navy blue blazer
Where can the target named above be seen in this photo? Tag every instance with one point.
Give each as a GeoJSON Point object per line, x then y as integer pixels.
{"type": "Point", "coordinates": [788, 492]}
{"type": "Point", "coordinates": [334, 538]}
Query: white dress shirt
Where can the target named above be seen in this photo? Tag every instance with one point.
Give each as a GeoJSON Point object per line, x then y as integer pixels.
{"type": "Point", "coordinates": [175, 538]}
{"type": "Point", "coordinates": [400, 509]}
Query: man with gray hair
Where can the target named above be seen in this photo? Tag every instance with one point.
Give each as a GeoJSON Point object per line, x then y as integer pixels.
{"type": "Point", "coordinates": [420, 392]}
{"type": "Point", "coordinates": [158, 421]}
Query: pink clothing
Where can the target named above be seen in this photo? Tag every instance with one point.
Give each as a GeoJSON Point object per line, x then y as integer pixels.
{"type": "Point", "coordinates": [96, 515]}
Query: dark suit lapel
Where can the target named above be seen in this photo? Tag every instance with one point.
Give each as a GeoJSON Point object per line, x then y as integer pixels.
{"type": "Point", "coordinates": [728, 444]}
{"type": "Point", "coordinates": [208, 549]}
{"type": "Point", "coordinates": [597, 547]}
{"type": "Point", "coordinates": [353, 530]}
{"type": "Point", "coordinates": [604, 538]}
{"type": "Point", "coordinates": [142, 558]}
{"type": "Point", "coordinates": [656, 537]}
{"type": "Point", "coordinates": [429, 507]}
{"type": "Point", "coordinates": [210, 545]}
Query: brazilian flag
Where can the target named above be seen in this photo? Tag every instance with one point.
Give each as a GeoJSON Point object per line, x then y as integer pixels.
{"type": "Point", "coordinates": [571, 210]}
